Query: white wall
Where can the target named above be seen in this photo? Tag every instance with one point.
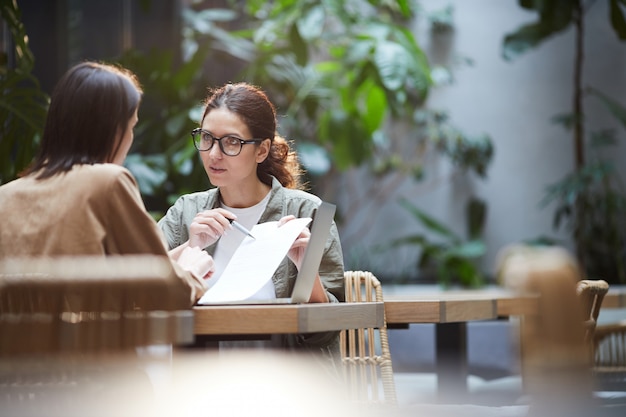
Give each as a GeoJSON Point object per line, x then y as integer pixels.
{"type": "Point", "coordinates": [513, 103]}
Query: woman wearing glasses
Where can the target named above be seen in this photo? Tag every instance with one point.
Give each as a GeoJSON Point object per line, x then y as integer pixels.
{"type": "Point", "coordinates": [257, 179]}
{"type": "Point", "coordinates": [76, 198]}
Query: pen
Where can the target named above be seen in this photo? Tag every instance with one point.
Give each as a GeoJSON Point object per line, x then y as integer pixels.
{"type": "Point", "coordinates": [242, 229]}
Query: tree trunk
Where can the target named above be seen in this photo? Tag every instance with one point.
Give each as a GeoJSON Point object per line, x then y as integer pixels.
{"type": "Point", "coordinates": [579, 144]}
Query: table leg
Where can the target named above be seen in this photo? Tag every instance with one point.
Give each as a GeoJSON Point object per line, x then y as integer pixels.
{"type": "Point", "coordinates": [451, 361]}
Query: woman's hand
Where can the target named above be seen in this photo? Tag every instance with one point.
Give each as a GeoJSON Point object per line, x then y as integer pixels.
{"type": "Point", "coordinates": [298, 248]}
{"type": "Point", "coordinates": [197, 261]}
{"type": "Point", "coordinates": [296, 255]}
{"type": "Point", "coordinates": [208, 226]}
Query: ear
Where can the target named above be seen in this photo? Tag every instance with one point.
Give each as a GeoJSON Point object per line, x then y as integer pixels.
{"type": "Point", "coordinates": [263, 150]}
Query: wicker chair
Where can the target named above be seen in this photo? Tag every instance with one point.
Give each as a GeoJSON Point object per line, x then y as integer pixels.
{"type": "Point", "coordinates": [610, 357]}
{"type": "Point", "coordinates": [69, 328]}
{"type": "Point", "coordinates": [65, 305]}
{"type": "Point", "coordinates": [365, 352]}
{"type": "Point", "coordinates": [591, 294]}
{"type": "Point", "coordinates": [555, 349]}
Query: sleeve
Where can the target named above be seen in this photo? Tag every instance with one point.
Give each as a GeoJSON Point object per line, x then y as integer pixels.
{"type": "Point", "coordinates": [131, 230]}
{"type": "Point", "coordinates": [172, 226]}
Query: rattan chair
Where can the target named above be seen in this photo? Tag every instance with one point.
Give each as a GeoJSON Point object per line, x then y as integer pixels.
{"type": "Point", "coordinates": [591, 294]}
{"type": "Point", "coordinates": [555, 349]}
{"type": "Point", "coordinates": [365, 352]}
{"type": "Point", "coordinates": [70, 326]}
{"type": "Point", "coordinates": [87, 304]}
{"type": "Point", "coordinates": [610, 357]}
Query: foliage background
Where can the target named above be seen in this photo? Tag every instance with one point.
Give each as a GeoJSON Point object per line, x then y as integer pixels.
{"type": "Point", "coordinates": [354, 87]}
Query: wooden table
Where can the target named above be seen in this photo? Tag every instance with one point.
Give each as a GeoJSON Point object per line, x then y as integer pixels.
{"type": "Point", "coordinates": [616, 297]}
{"type": "Point", "coordinates": [251, 320]}
{"type": "Point", "coordinates": [451, 310]}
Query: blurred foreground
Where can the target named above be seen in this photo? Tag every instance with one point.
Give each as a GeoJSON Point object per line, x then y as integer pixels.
{"type": "Point", "coordinates": [235, 383]}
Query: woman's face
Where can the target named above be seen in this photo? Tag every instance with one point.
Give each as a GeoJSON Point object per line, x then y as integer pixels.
{"type": "Point", "coordinates": [126, 140]}
{"type": "Point", "coordinates": [224, 170]}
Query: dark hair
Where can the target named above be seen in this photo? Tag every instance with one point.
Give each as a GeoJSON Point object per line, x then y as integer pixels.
{"type": "Point", "coordinates": [251, 104]}
{"type": "Point", "coordinates": [90, 105]}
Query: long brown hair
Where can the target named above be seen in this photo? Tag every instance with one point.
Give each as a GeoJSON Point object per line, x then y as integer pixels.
{"type": "Point", "coordinates": [254, 108]}
{"type": "Point", "coordinates": [90, 105]}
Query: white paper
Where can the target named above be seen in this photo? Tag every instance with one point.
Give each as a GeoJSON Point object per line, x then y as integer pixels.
{"type": "Point", "coordinates": [255, 261]}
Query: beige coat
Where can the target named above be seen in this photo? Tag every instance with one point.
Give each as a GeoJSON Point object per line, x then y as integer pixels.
{"type": "Point", "coordinates": [90, 210]}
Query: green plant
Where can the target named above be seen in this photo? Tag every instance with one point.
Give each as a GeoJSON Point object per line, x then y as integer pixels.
{"type": "Point", "coordinates": [163, 158]}
{"type": "Point", "coordinates": [23, 104]}
{"type": "Point", "coordinates": [453, 258]}
{"type": "Point", "coordinates": [590, 201]}
{"type": "Point", "coordinates": [335, 69]}
{"type": "Point", "coordinates": [344, 75]}
{"type": "Point", "coordinates": [340, 72]}
{"type": "Point", "coordinates": [596, 190]}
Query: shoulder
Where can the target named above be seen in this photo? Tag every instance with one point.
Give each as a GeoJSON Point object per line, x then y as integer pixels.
{"type": "Point", "coordinates": [86, 180]}
{"type": "Point", "coordinates": [285, 201]}
{"type": "Point", "coordinates": [290, 196]}
{"type": "Point", "coordinates": [199, 199]}
{"type": "Point", "coordinates": [12, 188]}
{"type": "Point", "coordinates": [100, 174]}
{"type": "Point", "coordinates": [187, 206]}
{"type": "Point", "coordinates": [301, 197]}
{"type": "Point", "coordinates": [15, 184]}
{"type": "Point", "coordinates": [110, 184]}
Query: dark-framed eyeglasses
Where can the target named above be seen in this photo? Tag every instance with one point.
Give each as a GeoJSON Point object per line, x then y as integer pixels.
{"type": "Point", "coordinates": [229, 145]}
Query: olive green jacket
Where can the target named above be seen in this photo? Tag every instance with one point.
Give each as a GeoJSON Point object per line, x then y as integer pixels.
{"type": "Point", "coordinates": [283, 201]}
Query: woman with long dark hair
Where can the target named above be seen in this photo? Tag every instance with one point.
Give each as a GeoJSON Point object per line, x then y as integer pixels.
{"type": "Point", "coordinates": [257, 179]}
{"type": "Point", "coordinates": [76, 198]}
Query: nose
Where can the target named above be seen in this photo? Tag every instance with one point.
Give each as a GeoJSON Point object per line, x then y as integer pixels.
{"type": "Point", "coordinates": [215, 151]}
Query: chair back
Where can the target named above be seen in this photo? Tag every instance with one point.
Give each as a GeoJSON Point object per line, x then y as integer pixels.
{"type": "Point", "coordinates": [591, 294]}
{"type": "Point", "coordinates": [610, 357]}
{"type": "Point", "coordinates": [365, 352]}
{"type": "Point", "coordinates": [554, 351]}
{"type": "Point", "coordinates": [90, 304]}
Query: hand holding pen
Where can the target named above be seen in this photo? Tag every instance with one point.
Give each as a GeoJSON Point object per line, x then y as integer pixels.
{"type": "Point", "coordinates": [240, 227]}
{"type": "Point", "coordinates": [209, 225]}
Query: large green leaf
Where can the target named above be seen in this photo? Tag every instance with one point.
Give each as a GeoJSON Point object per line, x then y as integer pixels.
{"type": "Point", "coordinates": [476, 213]}
{"type": "Point", "coordinates": [393, 62]}
{"type": "Point", "coordinates": [22, 98]}
{"type": "Point", "coordinates": [419, 68]}
{"type": "Point", "coordinates": [618, 22]}
{"type": "Point", "coordinates": [429, 222]}
{"type": "Point", "coordinates": [150, 171]}
{"type": "Point", "coordinates": [311, 24]}
{"type": "Point", "coordinates": [11, 14]}
{"type": "Point", "coordinates": [350, 141]}
{"type": "Point", "coordinates": [298, 46]}
{"type": "Point", "coordinates": [314, 158]}
{"type": "Point", "coordinates": [554, 16]}
{"type": "Point", "coordinates": [23, 105]}
{"type": "Point", "coordinates": [472, 249]}
{"type": "Point", "coordinates": [374, 107]}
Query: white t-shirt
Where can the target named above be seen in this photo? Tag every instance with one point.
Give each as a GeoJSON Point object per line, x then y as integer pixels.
{"type": "Point", "coordinates": [230, 241]}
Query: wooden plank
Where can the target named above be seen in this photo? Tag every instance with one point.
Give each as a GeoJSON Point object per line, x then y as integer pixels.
{"type": "Point", "coordinates": [283, 319]}
{"type": "Point", "coordinates": [469, 305]}
{"type": "Point", "coordinates": [340, 316]}
{"type": "Point", "coordinates": [231, 320]}
{"type": "Point", "coordinates": [468, 310]}
{"type": "Point", "coordinates": [516, 305]}
{"type": "Point", "coordinates": [412, 311]}
{"type": "Point", "coordinates": [443, 307]}
{"type": "Point", "coordinates": [615, 298]}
